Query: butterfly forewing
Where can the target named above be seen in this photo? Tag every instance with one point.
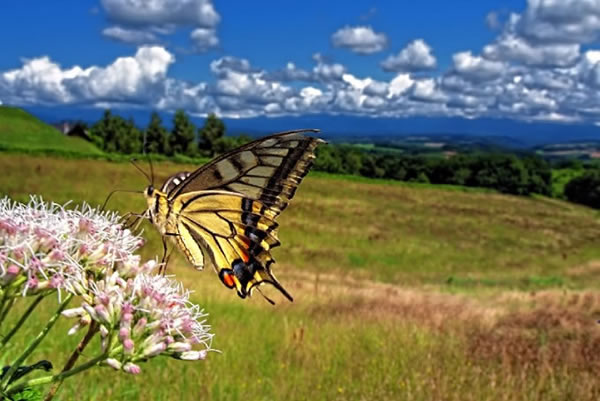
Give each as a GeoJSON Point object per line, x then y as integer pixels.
{"type": "Point", "coordinates": [269, 169]}
{"type": "Point", "coordinates": [224, 212]}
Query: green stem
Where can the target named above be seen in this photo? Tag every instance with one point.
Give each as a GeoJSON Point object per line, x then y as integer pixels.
{"type": "Point", "coordinates": [8, 295]}
{"type": "Point", "coordinates": [28, 312]}
{"type": "Point", "coordinates": [35, 342]}
{"type": "Point", "coordinates": [5, 307]}
{"type": "Point", "coordinates": [53, 378]}
{"type": "Point", "coordinates": [93, 329]}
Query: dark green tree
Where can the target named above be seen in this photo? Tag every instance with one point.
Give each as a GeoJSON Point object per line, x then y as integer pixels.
{"type": "Point", "coordinates": [114, 134]}
{"type": "Point", "coordinates": [211, 134]}
{"type": "Point", "coordinates": [157, 138]}
{"type": "Point", "coordinates": [585, 189]}
{"type": "Point", "coordinates": [182, 136]}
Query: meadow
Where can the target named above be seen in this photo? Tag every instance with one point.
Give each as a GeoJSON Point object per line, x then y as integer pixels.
{"type": "Point", "coordinates": [408, 292]}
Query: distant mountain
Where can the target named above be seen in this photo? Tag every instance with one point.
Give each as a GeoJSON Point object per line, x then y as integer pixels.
{"type": "Point", "coordinates": [503, 132]}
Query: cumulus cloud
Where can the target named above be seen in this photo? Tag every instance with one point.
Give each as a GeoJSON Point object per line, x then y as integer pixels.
{"type": "Point", "coordinates": [145, 13]}
{"type": "Point", "coordinates": [359, 39]}
{"type": "Point", "coordinates": [204, 39]}
{"type": "Point", "coordinates": [427, 90]}
{"type": "Point", "coordinates": [138, 21]}
{"type": "Point", "coordinates": [127, 79]}
{"type": "Point", "coordinates": [476, 67]}
{"type": "Point", "coordinates": [326, 71]}
{"type": "Point", "coordinates": [519, 74]}
{"type": "Point", "coordinates": [561, 21]}
{"type": "Point", "coordinates": [417, 56]}
{"type": "Point", "coordinates": [511, 45]}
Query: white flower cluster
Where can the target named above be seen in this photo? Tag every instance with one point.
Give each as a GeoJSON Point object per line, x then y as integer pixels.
{"type": "Point", "coordinates": [45, 247]}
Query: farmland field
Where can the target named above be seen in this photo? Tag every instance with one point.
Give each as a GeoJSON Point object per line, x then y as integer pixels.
{"type": "Point", "coordinates": [401, 292]}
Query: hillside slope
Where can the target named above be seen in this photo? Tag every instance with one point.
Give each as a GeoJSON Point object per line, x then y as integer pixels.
{"type": "Point", "coordinates": [22, 131]}
{"type": "Point", "coordinates": [389, 232]}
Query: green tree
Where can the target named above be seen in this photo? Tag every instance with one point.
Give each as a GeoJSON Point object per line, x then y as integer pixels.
{"type": "Point", "coordinates": [585, 189]}
{"type": "Point", "coordinates": [182, 136]}
{"type": "Point", "coordinates": [157, 138]}
{"type": "Point", "coordinates": [211, 134]}
{"type": "Point", "coordinates": [115, 134]}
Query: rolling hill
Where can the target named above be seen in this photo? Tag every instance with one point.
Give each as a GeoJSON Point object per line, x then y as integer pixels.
{"type": "Point", "coordinates": [21, 131]}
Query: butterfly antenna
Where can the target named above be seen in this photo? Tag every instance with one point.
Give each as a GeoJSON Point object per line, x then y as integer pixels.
{"type": "Point", "coordinates": [151, 169]}
{"type": "Point", "coordinates": [144, 146]}
{"type": "Point", "coordinates": [115, 191]}
{"type": "Point", "coordinates": [133, 161]}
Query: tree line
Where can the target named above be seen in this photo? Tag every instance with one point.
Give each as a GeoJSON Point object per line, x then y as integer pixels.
{"type": "Point", "coordinates": [114, 134]}
{"type": "Point", "coordinates": [504, 172]}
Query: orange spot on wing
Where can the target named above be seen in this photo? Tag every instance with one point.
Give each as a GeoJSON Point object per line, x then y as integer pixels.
{"type": "Point", "coordinates": [245, 242]}
{"type": "Point", "coordinates": [245, 256]}
{"type": "Point", "coordinates": [228, 280]}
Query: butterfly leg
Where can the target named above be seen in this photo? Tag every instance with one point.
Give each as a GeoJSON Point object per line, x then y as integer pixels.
{"type": "Point", "coordinates": [163, 263]}
{"type": "Point", "coordinates": [133, 220]}
{"type": "Point", "coordinates": [166, 254]}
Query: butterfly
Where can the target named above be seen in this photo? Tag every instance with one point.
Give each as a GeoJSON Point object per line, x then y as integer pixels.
{"type": "Point", "coordinates": [224, 214]}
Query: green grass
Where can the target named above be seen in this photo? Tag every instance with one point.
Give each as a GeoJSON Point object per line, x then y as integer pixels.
{"type": "Point", "coordinates": [401, 292]}
{"type": "Point", "coordinates": [20, 131]}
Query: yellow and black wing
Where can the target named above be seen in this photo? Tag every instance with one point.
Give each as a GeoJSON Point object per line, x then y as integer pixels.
{"type": "Point", "coordinates": [268, 169]}
{"type": "Point", "coordinates": [226, 209]}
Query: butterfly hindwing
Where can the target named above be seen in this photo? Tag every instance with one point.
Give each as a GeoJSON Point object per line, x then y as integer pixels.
{"type": "Point", "coordinates": [232, 233]}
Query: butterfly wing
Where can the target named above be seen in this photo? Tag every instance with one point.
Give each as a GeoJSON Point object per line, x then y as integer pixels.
{"type": "Point", "coordinates": [227, 208]}
{"type": "Point", "coordinates": [268, 169]}
{"type": "Point", "coordinates": [231, 232]}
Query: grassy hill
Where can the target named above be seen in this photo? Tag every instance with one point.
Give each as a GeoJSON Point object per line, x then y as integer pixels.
{"type": "Point", "coordinates": [401, 292]}
{"type": "Point", "coordinates": [21, 131]}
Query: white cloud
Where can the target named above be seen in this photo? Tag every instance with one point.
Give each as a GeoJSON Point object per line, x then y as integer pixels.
{"type": "Point", "coordinates": [519, 74]}
{"type": "Point", "coordinates": [416, 56]}
{"type": "Point", "coordinates": [359, 39]}
{"type": "Point", "coordinates": [127, 79]}
{"type": "Point", "coordinates": [289, 73]}
{"type": "Point", "coordinates": [399, 85]}
{"type": "Point", "coordinates": [477, 68]}
{"type": "Point", "coordinates": [427, 90]}
{"type": "Point", "coordinates": [561, 21]}
{"type": "Point", "coordinates": [130, 36]}
{"type": "Point", "coordinates": [325, 72]}
{"type": "Point", "coordinates": [140, 20]}
{"type": "Point", "coordinates": [204, 39]}
{"type": "Point", "coordinates": [146, 13]}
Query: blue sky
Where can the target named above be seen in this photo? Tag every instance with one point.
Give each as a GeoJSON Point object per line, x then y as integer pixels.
{"type": "Point", "coordinates": [534, 60]}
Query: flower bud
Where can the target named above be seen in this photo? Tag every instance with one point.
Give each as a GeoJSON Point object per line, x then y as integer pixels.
{"type": "Point", "coordinates": [113, 363]}
{"type": "Point", "coordinates": [132, 368]}
{"type": "Point", "coordinates": [179, 347]}
{"type": "Point", "coordinates": [193, 355]}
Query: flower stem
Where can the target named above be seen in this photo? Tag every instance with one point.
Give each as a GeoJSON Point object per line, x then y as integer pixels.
{"type": "Point", "coordinates": [5, 308]}
{"type": "Point", "coordinates": [34, 343]}
{"type": "Point", "coordinates": [93, 329]}
{"type": "Point", "coordinates": [28, 312]}
{"type": "Point", "coordinates": [38, 381]}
